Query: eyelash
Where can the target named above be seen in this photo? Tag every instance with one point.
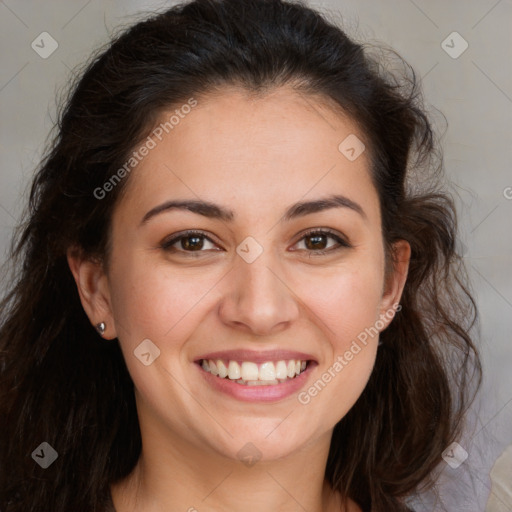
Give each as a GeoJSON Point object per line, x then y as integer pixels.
{"type": "Point", "coordinates": [342, 243]}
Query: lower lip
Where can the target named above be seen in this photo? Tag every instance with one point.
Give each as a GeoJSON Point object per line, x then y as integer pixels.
{"type": "Point", "coordinates": [270, 393]}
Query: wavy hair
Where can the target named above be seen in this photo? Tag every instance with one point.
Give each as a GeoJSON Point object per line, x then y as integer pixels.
{"type": "Point", "coordinates": [60, 383]}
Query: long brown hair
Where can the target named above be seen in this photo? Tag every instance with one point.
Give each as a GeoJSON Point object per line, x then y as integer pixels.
{"type": "Point", "coordinates": [60, 384]}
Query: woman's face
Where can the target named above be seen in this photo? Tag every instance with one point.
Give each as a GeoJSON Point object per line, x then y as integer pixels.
{"type": "Point", "coordinates": [251, 286]}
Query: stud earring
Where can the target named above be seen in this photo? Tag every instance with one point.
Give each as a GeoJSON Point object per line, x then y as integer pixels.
{"type": "Point", "coordinates": [101, 328]}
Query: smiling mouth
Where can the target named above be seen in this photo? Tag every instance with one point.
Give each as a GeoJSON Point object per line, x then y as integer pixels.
{"type": "Point", "coordinates": [248, 373]}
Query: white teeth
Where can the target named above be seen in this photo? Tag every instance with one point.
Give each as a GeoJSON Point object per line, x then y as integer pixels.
{"type": "Point", "coordinates": [222, 369]}
{"type": "Point", "coordinates": [282, 370]}
{"type": "Point", "coordinates": [252, 374]}
{"type": "Point", "coordinates": [291, 369]}
{"type": "Point", "coordinates": [250, 371]}
{"type": "Point", "coordinates": [267, 371]}
{"type": "Point", "coordinates": [234, 370]}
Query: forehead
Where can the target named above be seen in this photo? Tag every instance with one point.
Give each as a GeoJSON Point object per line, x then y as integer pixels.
{"type": "Point", "coordinates": [256, 152]}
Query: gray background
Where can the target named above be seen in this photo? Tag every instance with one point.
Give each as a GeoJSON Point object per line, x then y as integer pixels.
{"type": "Point", "coordinates": [473, 91]}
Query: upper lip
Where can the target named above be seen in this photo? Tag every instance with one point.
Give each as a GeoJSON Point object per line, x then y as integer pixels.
{"type": "Point", "coordinates": [257, 356]}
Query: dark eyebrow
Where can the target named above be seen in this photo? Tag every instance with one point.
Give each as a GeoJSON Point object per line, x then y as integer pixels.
{"type": "Point", "coordinates": [214, 211]}
{"type": "Point", "coordinates": [334, 201]}
{"type": "Point", "coordinates": [204, 208]}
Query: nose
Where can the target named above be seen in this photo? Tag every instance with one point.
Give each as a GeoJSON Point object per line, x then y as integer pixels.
{"type": "Point", "coordinates": [258, 299]}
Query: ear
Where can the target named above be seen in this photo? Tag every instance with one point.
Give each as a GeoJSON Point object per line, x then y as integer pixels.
{"type": "Point", "coordinates": [93, 289]}
{"type": "Point", "coordinates": [395, 278]}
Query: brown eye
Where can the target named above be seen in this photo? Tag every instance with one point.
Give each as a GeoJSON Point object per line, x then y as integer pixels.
{"type": "Point", "coordinates": [188, 242]}
{"type": "Point", "coordinates": [316, 242]}
{"type": "Point", "coordinates": [321, 242]}
{"type": "Point", "coordinates": [192, 243]}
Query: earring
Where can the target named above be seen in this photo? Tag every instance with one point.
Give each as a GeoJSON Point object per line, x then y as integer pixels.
{"type": "Point", "coordinates": [101, 328]}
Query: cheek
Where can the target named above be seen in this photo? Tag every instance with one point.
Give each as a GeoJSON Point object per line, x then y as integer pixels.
{"type": "Point", "coordinates": [344, 380]}
{"type": "Point", "coordinates": [345, 302]}
{"type": "Point", "coordinates": [346, 306]}
{"type": "Point", "coordinates": [148, 301]}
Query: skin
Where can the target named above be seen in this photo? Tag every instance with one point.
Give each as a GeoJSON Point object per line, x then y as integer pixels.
{"type": "Point", "coordinates": [255, 156]}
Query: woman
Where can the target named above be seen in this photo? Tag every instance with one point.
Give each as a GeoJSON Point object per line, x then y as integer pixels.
{"type": "Point", "coordinates": [233, 292]}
